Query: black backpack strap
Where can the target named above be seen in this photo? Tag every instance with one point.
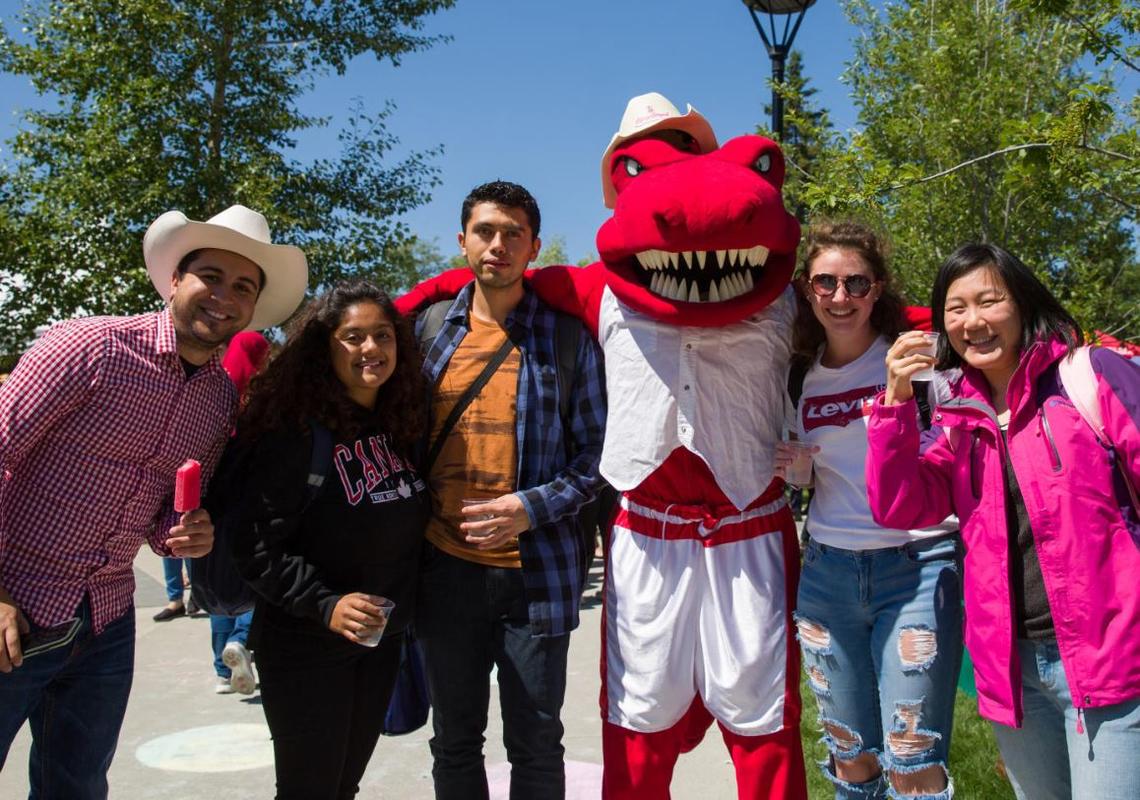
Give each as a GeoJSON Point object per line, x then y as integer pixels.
{"type": "Point", "coordinates": [567, 331]}
{"type": "Point", "coordinates": [320, 461]}
{"type": "Point", "coordinates": [430, 322]}
{"type": "Point", "coordinates": [465, 400]}
{"type": "Point", "coordinates": [796, 375]}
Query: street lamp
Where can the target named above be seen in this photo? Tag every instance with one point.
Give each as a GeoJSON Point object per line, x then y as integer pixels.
{"type": "Point", "coordinates": [778, 47]}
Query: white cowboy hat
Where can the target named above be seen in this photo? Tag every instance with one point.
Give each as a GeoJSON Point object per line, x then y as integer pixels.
{"type": "Point", "coordinates": [239, 230]}
{"type": "Point", "coordinates": [653, 112]}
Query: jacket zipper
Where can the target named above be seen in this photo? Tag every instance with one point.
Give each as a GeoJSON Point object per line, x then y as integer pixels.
{"type": "Point", "coordinates": [1043, 425]}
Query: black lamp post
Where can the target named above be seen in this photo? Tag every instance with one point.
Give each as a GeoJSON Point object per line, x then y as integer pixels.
{"type": "Point", "coordinates": [778, 46]}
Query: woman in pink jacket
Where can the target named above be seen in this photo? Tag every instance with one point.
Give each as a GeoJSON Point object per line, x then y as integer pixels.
{"type": "Point", "coordinates": [1052, 568]}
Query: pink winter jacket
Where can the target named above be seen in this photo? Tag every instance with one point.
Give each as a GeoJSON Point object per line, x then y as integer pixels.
{"type": "Point", "coordinates": [1085, 530]}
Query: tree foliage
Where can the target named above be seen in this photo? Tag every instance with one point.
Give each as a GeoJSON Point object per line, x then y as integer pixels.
{"type": "Point", "coordinates": [977, 122]}
{"type": "Point", "coordinates": [808, 132]}
{"type": "Point", "coordinates": [194, 105]}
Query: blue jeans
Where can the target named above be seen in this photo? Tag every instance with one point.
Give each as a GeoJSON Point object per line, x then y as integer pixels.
{"type": "Point", "coordinates": [1047, 758]}
{"type": "Point", "coordinates": [172, 571]}
{"type": "Point", "coordinates": [224, 630]}
{"type": "Point", "coordinates": [74, 698]}
{"type": "Point", "coordinates": [881, 634]}
{"type": "Point", "coordinates": [470, 618]}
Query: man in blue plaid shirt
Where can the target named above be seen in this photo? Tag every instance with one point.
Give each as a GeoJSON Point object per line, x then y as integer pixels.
{"type": "Point", "coordinates": [510, 465]}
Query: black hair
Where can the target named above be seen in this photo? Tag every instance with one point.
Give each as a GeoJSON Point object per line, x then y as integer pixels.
{"type": "Point", "coordinates": [188, 259]}
{"type": "Point", "coordinates": [887, 318]}
{"type": "Point", "coordinates": [300, 383]}
{"type": "Point", "coordinates": [1042, 316]}
{"type": "Point", "coordinates": [505, 194]}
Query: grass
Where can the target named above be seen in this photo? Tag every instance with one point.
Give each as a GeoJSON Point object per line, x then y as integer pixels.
{"type": "Point", "coordinates": [973, 753]}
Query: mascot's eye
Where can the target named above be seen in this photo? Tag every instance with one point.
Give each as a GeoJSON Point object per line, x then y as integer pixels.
{"type": "Point", "coordinates": [632, 168]}
{"type": "Point", "coordinates": [763, 164]}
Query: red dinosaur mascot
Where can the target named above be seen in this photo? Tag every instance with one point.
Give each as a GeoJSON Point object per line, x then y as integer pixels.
{"type": "Point", "coordinates": [692, 306]}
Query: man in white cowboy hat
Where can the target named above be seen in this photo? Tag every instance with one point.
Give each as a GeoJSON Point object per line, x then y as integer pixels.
{"type": "Point", "coordinates": [94, 422]}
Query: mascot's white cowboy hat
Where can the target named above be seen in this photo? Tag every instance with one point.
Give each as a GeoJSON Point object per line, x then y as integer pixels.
{"type": "Point", "coordinates": [653, 112]}
{"type": "Point", "coordinates": [239, 230]}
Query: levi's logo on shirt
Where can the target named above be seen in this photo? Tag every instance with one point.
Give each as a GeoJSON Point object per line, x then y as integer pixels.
{"type": "Point", "coordinates": [838, 410]}
{"type": "Point", "coordinates": [369, 467]}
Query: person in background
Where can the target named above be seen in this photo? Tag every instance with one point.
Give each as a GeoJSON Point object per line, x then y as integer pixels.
{"type": "Point", "coordinates": [325, 566]}
{"type": "Point", "coordinates": [879, 613]}
{"type": "Point", "coordinates": [175, 582]}
{"type": "Point", "coordinates": [244, 356]}
{"type": "Point", "coordinates": [1052, 534]}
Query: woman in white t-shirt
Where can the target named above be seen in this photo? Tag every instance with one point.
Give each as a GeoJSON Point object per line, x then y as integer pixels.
{"type": "Point", "coordinates": [879, 610]}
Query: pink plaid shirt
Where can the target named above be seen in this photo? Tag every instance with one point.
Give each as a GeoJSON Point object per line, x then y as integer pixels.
{"type": "Point", "coordinates": [94, 422]}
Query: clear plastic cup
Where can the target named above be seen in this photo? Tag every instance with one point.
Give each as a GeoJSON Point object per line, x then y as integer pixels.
{"type": "Point", "coordinates": [386, 607]}
{"type": "Point", "coordinates": [929, 348]}
{"type": "Point", "coordinates": [798, 473]}
{"type": "Point", "coordinates": [477, 501]}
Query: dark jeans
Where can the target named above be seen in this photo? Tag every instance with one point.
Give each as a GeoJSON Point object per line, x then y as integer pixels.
{"type": "Point", "coordinates": [324, 702]}
{"type": "Point", "coordinates": [470, 618]}
{"type": "Point", "coordinates": [74, 698]}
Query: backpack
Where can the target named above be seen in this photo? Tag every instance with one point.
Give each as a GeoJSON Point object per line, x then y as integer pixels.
{"type": "Point", "coordinates": [216, 584]}
{"type": "Point", "coordinates": [1079, 381]}
{"type": "Point", "coordinates": [594, 517]}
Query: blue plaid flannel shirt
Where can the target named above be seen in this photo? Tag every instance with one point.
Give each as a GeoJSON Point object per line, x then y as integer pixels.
{"type": "Point", "coordinates": [553, 485]}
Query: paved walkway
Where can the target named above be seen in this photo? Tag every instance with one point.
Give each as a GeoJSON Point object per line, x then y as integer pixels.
{"type": "Point", "coordinates": [180, 741]}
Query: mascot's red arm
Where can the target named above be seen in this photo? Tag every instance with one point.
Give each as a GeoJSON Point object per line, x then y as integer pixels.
{"type": "Point", "coordinates": [574, 290]}
{"type": "Point", "coordinates": [918, 318]}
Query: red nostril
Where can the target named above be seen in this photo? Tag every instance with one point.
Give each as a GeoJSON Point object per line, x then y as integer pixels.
{"type": "Point", "coordinates": [743, 207]}
{"type": "Point", "coordinates": [671, 217]}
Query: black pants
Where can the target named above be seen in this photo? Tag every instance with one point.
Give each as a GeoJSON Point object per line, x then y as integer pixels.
{"type": "Point", "coordinates": [470, 618]}
{"type": "Point", "coordinates": [325, 706]}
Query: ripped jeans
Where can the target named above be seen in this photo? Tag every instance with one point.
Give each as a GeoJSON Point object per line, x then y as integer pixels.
{"type": "Point", "coordinates": [881, 634]}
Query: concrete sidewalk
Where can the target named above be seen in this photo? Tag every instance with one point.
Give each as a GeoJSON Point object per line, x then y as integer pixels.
{"type": "Point", "coordinates": [180, 741]}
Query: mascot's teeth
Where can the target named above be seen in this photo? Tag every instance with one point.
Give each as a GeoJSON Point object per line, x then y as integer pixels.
{"type": "Point", "coordinates": [694, 293]}
{"type": "Point", "coordinates": [714, 295]}
{"type": "Point", "coordinates": [696, 259]}
{"type": "Point", "coordinates": [757, 256]}
{"type": "Point", "coordinates": [748, 284]}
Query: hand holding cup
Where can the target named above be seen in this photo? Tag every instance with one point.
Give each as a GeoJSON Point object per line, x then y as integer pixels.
{"type": "Point", "coordinates": [910, 358]}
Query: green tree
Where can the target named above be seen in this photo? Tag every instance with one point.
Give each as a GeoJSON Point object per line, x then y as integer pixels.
{"type": "Point", "coordinates": [553, 252]}
{"type": "Point", "coordinates": [808, 132]}
{"type": "Point", "coordinates": [193, 105]}
{"type": "Point", "coordinates": [978, 123]}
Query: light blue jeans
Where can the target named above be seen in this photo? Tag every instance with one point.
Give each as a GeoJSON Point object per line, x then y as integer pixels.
{"type": "Point", "coordinates": [172, 572]}
{"type": "Point", "coordinates": [881, 634]}
{"type": "Point", "coordinates": [1047, 758]}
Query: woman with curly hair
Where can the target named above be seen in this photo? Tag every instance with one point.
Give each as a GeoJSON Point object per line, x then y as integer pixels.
{"type": "Point", "coordinates": [324, 562]}
{"type": "Point", "coordinates": [879, 612]}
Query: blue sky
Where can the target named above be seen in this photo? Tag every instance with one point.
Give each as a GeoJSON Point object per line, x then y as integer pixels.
{"type": "Point", "coordinates": [532, 91]}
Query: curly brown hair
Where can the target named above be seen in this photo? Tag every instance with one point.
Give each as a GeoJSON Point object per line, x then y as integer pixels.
{"type": "Point", "coordinates": [887, 316]}
{"type": "Point", "coordinates": [299, 383]}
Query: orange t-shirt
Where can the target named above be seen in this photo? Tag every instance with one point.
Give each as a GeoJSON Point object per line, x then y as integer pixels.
{"type": "Point", "coordinates": [480, 456]}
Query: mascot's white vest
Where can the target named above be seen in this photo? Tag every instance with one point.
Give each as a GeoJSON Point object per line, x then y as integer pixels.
{"type": "Point", "coordinates": [719, 392]}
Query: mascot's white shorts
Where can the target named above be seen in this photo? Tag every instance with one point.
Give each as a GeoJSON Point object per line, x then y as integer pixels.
{"type": "Point", "coordinates": [698, 604]}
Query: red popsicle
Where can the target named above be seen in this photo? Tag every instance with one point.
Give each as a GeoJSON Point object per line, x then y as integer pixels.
{"type": "Point", "coordinates": [188, 486]}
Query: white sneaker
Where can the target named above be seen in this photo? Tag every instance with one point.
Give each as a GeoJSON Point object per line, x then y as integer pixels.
{"type": "Point", "coordinates": [236, 657]}
{"type": "Point", "coordinates": [223, 686]}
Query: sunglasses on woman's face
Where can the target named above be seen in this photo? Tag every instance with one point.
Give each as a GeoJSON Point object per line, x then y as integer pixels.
{"type": "Point", "coordinates": [825, 285]}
